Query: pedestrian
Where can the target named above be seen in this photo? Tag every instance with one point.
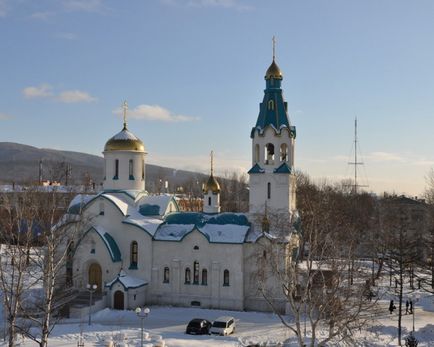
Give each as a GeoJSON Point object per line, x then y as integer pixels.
{"type": "Point", "coordinates": [407, 304]}
{"type": "Point", "coordinates": [411, 306]}
{"type": "Point", "coordinates": [391, 306]}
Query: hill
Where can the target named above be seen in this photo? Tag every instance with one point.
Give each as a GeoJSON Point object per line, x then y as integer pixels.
{"type": "Point", "coordinates": [20, 164]}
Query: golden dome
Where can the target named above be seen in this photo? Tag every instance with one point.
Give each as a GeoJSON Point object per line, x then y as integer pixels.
{"type": "Point", "coordinates": [273, 72]}
{"type": "Point", "coordinates": [124, 141]}
{"type": "Point", "coordinates": [212, 185]}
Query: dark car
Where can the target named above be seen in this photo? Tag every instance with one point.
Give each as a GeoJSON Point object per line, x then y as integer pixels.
{"type": "Point", "coordinates": [198, 326]}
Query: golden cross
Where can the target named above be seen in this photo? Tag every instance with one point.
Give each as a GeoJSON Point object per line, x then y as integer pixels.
{"type": "Point", "coordinates": [212, 162]}
{"type": "Point", "coordinates": [274, 47]}
{"type": "Point", "coordinates": [125, 108]}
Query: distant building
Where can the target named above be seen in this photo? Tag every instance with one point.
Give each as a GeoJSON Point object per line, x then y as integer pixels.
{"type": "Point", "coordinates": [141, 249]}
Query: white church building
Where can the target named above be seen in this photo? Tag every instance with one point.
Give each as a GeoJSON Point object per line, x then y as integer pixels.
{"type": "Point", "coordinates": [139, 249]}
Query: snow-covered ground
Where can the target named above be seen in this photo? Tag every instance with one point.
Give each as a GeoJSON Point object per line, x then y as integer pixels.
{"type": "Point", "coordinates": [265, 329]}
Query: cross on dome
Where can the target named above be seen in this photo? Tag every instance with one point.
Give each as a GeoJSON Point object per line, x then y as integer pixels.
{"type": "Point", "coordinates": [125, 109]}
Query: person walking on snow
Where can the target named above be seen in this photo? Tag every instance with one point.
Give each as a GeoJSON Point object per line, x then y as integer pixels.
{"type": "Point", "coordinates": [407, 304]}
{"type": "Point", "coordinates": [411, 306]}
{"type": "Point", "coordinates": [391, 306]}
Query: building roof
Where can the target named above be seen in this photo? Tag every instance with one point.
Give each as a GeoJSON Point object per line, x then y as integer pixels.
{"type": "Point", "coordinates": [283, 168]}
{"type": "Point", "coordinates": [256, 169]}
{"type": "Point", "coordinates": [124, 141]}
{"type": "Point", "coordinates": [127, 281]}
{"type": "Point", "coordinates": [109, 242]}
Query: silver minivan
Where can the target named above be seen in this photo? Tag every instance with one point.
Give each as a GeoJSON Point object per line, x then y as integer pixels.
{"type": "Point", "coordinates": [223, 326]}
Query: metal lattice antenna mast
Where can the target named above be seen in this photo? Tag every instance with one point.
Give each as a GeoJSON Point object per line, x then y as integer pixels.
{"type": "Point", "coordinates": [356, 162]}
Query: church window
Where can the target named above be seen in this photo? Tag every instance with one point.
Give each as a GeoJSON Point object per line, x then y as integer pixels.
{"type": "Point", "coordinates": [196, 272]}
{"type": "Point", "coordinates": [166, 275]}
{"type": "Point", "coordinates": [283, 152]}
{"type": "Point", "coordinates": [268, 190]}
{"type": "Point", "coordinates": [269, 154]}
{"type": "Point", "coordinates": [204, 277]}
{"type": "Point", "coordinates": [69, 263]}
{"type": "Point", "coordinates": [187, 276]}
{"type": "Point", "coordinates": [101, 209]}
{"type": "Point", "coordinates": [196, 247]}
{"type": "Point", "coordinates": [134, 255]}
{"type": "Point", "coordinates": [131, 169]}
{"type": "Point", "coordinates": [116, 176]}
{"type": "Point", "coordinates": [257, 153]}
{"type": "Point", "coordinates": [226, 278]}
{"type": "Point", "coordinates": [209, 201]}
{"type": "Point", "coordinates": [143, 169]}
{"type": "Point", "coordinates": [271, 105]}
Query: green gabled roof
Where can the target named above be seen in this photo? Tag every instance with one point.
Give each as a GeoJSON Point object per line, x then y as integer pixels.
{"type": "Point", "coordinates": [284, 168]}
{"type": "Point", "coordinates": [107, 239]}
{"type": "Point", "coordinates": [149, 210]}
{"type": "Point", "coordinates": [195, 218]}
{"type": "Point", "coordinates": [256, 169]}
{"type": "Point", "coordinates": [229, 218]}
{"type": "Point", "coordinates": [115, 252]}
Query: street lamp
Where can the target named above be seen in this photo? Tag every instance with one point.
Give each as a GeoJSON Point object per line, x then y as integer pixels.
{"type": "Point", "coordinates": [91, 288]}
{"type": "Point", "coordinates": [142, 314]}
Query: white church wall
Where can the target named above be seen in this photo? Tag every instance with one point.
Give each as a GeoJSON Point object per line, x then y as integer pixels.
{"type": "Point", "coordinates": [258, 274]}
{"type": "Point", "coordinates": [92, 249]}
{"type": "Point", "coordinates": [215, 258]}
{"type": "Point", "coordinates": [123, 180]}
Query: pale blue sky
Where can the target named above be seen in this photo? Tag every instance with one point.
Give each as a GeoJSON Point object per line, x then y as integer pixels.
{"type": "Point", "coordinates": [192, 72]}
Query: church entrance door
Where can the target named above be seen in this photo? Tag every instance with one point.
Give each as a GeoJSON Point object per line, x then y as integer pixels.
{"type": "Point", "coordinates": [119, 300]}
{"type": "Point", "coordinates": [95, 276]}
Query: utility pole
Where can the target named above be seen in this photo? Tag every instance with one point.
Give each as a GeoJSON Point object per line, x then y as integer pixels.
{"type": "Point", "coordinates": [356, 163]}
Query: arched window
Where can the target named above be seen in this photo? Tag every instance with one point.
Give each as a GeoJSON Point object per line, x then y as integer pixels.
{"type": "Point", "coordinates": [226, 278]}
{"type": "Point", "coordinates": [134, 255]}
{"type": "Point", "coordinates": [257, 153]}
{"type": "Point", "coordinates": [204, 277]}
{"type": "Point", "coordinates": [187, 276]}
{"type": "Point", "coordinates": [269, 154]}
{"type": "Point", "coordinates": [131, 169]}
{"type": "Point", "coordinates": [271, 105]}
{"type": "Point", "coordinates": [283, 152]}
{"type": "Point", "coordinates": [101, 208]}
{"type": "Point", "coordinates": [268, 190]}
{"type": "Point", "coordinates": [196, 272]}
{"type": "Point", "coordinates": [143, 169]}
{"type": "Point", "coordinates": [116, 176]}
{"type": "Point", "coordinates": [209, 201]}
{"type": "Point", "coordinates": [166, 275]}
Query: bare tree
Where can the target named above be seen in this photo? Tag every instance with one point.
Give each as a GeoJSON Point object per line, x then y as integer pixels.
{"type": "Point", "coordinates": [318, 290]}
{"type": "Point", "coordinates": [398, 234]}
{"type": "Point", "coordinates": [16, 276]}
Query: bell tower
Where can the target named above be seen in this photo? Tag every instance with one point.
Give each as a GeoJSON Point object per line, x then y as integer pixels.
{"type": "Point", "coordinates": [124, 160]}
{"type": "Point", "coordinates": [272, 179]}
{"type": "Point", "coordinates": [211, 192]}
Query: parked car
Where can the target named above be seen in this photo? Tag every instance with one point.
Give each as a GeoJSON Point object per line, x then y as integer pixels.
{"type": "Point", "coordinates": [198, 326]}
{"type": "Point", "coordinates": [223, 326]}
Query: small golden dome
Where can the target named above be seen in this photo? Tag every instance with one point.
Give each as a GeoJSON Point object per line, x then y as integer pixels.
{"type": "Point", "coordinates": [273, 72]}
{"type": "Point", "coordinates": [212, 185]}
{"type": "Point", "coordinates": [124, 141]}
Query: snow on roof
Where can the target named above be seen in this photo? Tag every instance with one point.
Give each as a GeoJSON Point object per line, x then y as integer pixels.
{"type": "Point", "coordinates": [78, 202]}
{"type": "Point", "coordinates": [119, 200]}
{"type": "Point", "coordinates": [149, 224]}
{"type": "Point", "coordinates": [220, 228]}
{"type": "Point", "coordinates": [127, 281]}
{"type": "Point", "coordinates": [173, 232]}
{"type": "Point", "coordinates": [148, 204]}
{"type": "Point", "coordinates": [125, 134]}
{"type": "Point", "coordinates": [229, 233]}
